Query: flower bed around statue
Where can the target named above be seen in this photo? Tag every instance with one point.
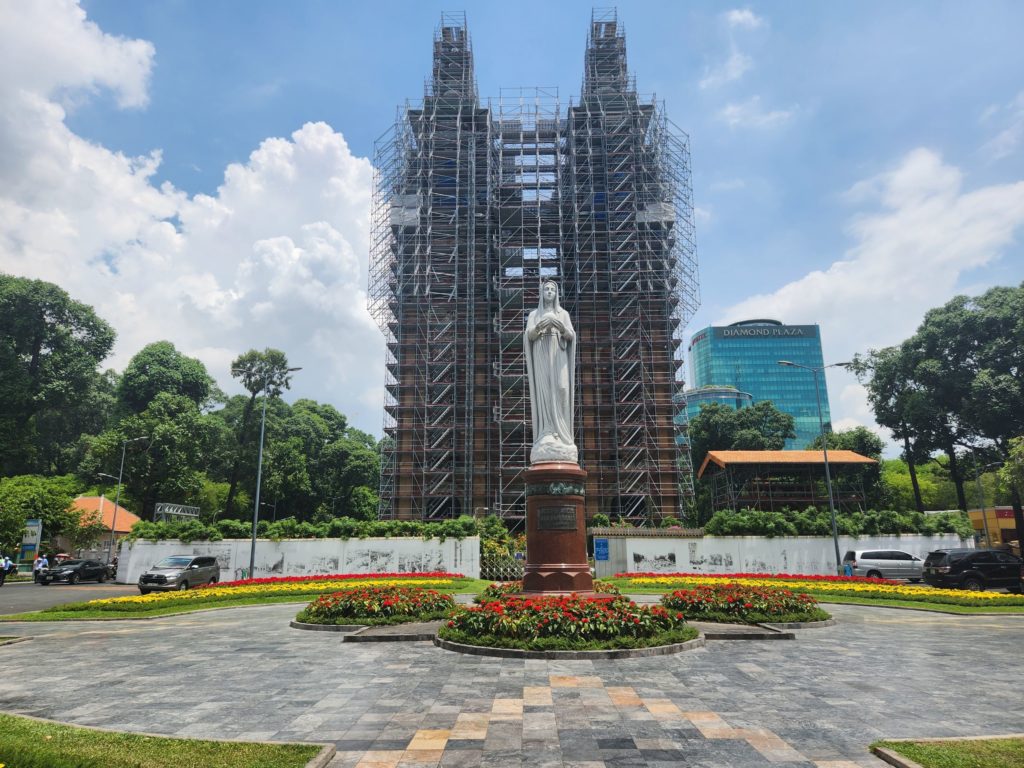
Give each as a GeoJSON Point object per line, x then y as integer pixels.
{"type": "Point", "coordinates": [375, 605]}
{"type": "Point", "coordinates": [502, 589]}
{"type": "Point", "coordinates": [568, 623]}
{"type": "Point", "coordinates": [744, 604]}
{"type": "Point", "coordinates": [858, 588]}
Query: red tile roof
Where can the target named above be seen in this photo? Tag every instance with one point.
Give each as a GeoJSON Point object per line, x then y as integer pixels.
{"type": "Point", "coordinates": [725, 458]}
{"type": "Point", "coordinates": [125, 519]}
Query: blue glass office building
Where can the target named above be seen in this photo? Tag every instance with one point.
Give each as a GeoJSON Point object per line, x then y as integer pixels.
{"type": "Point", "coordinates": [745, 355]}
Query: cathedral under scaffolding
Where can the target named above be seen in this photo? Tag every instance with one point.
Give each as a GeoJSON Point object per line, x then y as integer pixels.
{"type": "Point", "coordinates": [475, 203]}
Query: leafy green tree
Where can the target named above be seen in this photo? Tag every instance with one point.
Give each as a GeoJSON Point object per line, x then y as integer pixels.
{"type": "Point", "coordinates": [87, 531]}
{"type": "Point", "coordinates": [50, 348]}
{"type": "Point", "coordinates": [160, 367]}
{"type": "Point", "coordinates": [25, 497]}
{"type": "Point", "coordinates": [167, 465]}
{"type": "Point", "coordinates": [259, 372]}
{"type": "Point", "coordinates": [761, 427]}
{"type": "Point", "coordinates": [900, 404]}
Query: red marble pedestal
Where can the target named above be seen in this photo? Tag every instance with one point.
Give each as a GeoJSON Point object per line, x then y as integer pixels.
{"type": "Point", "coordinates": [556, 531]}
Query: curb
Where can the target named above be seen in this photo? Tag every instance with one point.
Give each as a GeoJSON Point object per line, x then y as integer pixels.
{"type": "Point", "coordinates": [360, 637]}
{"type": "Point", "coordinates": [799, 624]}
{"type": "Point", "coordinates": [319, 760]}
{"type": "Point", "coordinates": [619, 653]}
{"type": "Point", "coordinates": [327, 627]}
{"type": "Point", "coordinates": [894, 759]}
{"type": "Point", "coordinates": [771, 634]}
{"type": "Point", "coordinates": [13, 640]}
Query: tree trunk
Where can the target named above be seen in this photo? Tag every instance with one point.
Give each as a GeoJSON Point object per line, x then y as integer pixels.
{"type": "Point", "coordinates": [908, 453]}
{"type": "Point", "coordinates": [236, 465]}
{"type": "Point", "coordinates": [957, 478]}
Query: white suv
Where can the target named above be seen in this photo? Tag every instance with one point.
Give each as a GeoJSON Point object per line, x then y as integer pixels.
{"type": "Point", "coordinates": [885, 564]}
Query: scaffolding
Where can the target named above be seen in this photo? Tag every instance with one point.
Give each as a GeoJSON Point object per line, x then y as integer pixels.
{"type": "Point", "coordinates": [474, 206]}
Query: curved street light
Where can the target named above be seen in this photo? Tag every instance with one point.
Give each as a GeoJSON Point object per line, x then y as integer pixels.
{"type": "Point", "coordinates": [824, 448]}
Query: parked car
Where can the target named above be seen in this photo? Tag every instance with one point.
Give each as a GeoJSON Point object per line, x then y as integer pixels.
{"type": "Point", "coordinates": [179, 572]}
{"type": "Point", "coordinates": [885, 564]}
{"type": "Point", "coordinates": [74, 571]}
{"type": "Point", "coordinates": [973, 569]}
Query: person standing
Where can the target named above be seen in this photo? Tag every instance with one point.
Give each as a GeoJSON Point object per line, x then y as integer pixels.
{"type": "Point", "coordinates": [37, 565]}
{"type": "Point", "coordinates": [5, 564]}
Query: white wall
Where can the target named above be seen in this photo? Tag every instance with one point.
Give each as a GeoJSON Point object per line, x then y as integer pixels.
{"type": "Point", "coordinates": [303, 557]}
{"type": "Point", "coordinates": [753, 554]}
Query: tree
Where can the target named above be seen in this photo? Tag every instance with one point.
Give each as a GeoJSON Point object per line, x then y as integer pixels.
{"type": "Point", "coordinates": [159, 367]}
{"type": "Point", "coordinates": [86, 532]}
{"type": "Point", "coordinates": [50, 347]}
{"type": "Point", "coordinates": [48, 499]}
{"type": "Point", "coordinates": [899, 405]}
{"type": "Point", "coordinates": [761, 427]}
{"type": "Point", "coordinates": [265, 372]}
{"type": "Point", "coordinates": [167, 465]}
{"type": "Point", "coordinates": [971, 357]}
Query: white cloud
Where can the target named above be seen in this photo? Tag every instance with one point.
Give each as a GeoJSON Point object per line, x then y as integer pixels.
{"type": "Point", "coordinates": [732, 69]}
{"type": "Point", "coordinates": [1010, 138]}
{"type": "Point", "coordinates": [744, 17]}
{"type": "Point", "coordinates": [925, 231]}
{"type": "Point", "coordinates": [750, 114]}
{"type": "Point", "coordinates": [276, 258]}
{"type": "Point", "coordinates": [50, 49]}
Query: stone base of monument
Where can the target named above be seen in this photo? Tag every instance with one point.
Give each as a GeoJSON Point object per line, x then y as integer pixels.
{"type": "Point", "coordinates": [556, 531]}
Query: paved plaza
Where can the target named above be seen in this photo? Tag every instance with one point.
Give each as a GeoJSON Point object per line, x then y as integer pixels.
{"type": "Point", "coordinates": [817, 701]}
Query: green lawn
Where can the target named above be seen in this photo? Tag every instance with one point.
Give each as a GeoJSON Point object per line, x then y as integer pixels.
{"type": "Point", "coordinates": [459, 586]}
{"type": "Point", "coordinates": [978, 753]}
{"type": "Point", "coordinates": [26, 743]}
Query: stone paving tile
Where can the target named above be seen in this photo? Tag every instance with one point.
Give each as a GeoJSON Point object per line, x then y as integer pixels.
{"type": "Point", "coordinates": [811, 703]}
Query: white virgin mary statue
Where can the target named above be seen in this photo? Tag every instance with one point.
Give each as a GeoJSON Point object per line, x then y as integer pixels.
{"type": "Point", "coordinates": [550, 344]}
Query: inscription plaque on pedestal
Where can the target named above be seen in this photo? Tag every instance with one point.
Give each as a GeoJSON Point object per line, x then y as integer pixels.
{"type": "Point", "coordinates": [556, 519]}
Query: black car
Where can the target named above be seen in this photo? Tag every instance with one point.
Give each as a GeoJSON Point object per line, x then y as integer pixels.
{"type": "Point", "coordinates": [74, 571]}
{"type": "Point", "coordinates": [973, 569]}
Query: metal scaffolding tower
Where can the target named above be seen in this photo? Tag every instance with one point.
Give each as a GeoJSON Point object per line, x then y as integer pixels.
{"type": "Point", "coordinates": [473, 207]}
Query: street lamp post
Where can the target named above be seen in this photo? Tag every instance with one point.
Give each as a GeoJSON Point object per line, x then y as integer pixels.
{"type": "Point", "coordinates": [117, 497]}
{"type": "Point", "coordinates": [824, 448]}
{"type": "Point", "coordinates": [259, 461]}
{"type": "Point", "coordinates": [981, 497]}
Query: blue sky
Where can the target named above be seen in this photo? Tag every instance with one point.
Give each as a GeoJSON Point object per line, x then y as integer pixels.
{"type": "Point", "coordinates": [853, 163]}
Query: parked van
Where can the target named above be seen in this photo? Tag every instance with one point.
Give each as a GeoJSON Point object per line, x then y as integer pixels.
{"type": "Point", "coordinates": [179, 572]}
{"type": "Point", "coordinates": [885, 564]}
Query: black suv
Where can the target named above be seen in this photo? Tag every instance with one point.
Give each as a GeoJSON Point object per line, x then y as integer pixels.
{"type": "Point", "coordinates": [973, 569]}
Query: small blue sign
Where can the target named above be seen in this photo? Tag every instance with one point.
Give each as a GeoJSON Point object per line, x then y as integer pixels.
{"type": "Point", "coordinates": [600, 549]}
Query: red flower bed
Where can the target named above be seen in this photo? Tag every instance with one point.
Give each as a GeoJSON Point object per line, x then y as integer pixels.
{"type": "Point", "coordinates": [383, 602]}
{"type": "Point", "coordinates": [743, 603]}
{"type": "Point", "coordinates": [781, 576]}
{"type": "Point", "coordinates": [564, 617]}
{"type": "Point", "coordinates": [337, 577]}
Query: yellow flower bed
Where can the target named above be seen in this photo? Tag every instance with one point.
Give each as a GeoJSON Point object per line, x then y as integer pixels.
{"type": "Point", "coordinates": [223, 594]}
{"type": "Point", "coordinates": [847, 589]}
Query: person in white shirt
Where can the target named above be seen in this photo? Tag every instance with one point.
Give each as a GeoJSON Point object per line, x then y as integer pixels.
{"type": "Point", "coordinates": [38, 565]}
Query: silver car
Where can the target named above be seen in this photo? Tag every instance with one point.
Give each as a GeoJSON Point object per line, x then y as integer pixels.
{"type": "Point", "coordinates": [885, 564]}
{"type": "Point", "coordinates": [179, 572]}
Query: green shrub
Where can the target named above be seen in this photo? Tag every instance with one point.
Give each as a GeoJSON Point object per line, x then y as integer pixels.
{"type": "Point", "coordinates": [813, 521]}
